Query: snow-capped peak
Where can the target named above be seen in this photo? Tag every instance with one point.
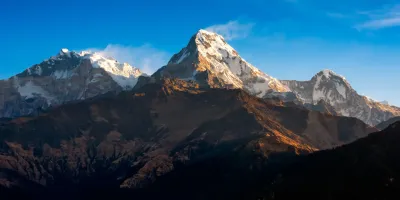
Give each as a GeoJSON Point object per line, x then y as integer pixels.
{"type": "Point", "coordinates": [338, 93]}
{"type": "Point", "coordinates": [209, 52]}
{"type": "Point", "coordinates": [64, 50]}
{"type": "Point", "coordinates": [67, 76]}
{"type": "Point", "coordinates": [63, 65]}
{"type": "Point", "coordinates": [213, 44]}
{"type": "Point", "coordinates": [201, 31]}
{"type": "Point", "coordinates": [329, 73]}
{"type": "Point", "coordinates": [205, 35]}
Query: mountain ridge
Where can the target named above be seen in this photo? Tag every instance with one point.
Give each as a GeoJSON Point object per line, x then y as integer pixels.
{"type": "Point", "coordinates": [211, 61]}
{"type": "Point", "coordinates": [67, 76]}
{"type": "Point", "coordinates": [130, 139]}
{"type": "Point", "coordinates": [365, 169]}
{"type": "Point", "coordinates": [385, 124]}
{"type": "Point", "coordinates": [207, 59]}
{"type": "Point", "coordinates": [336, 91]}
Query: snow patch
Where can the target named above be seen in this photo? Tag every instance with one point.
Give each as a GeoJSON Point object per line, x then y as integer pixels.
{"type": "Point", "coordinates": [318, 94]}
{"type": "Point", "coordinates": [329, 73]}
{"type": "Point", "coordinates": [259, 88]}
{"type": "Point", "coordinates": [385, 102]}
{"type": "Point", "coordinates": [30, 90]}
{"type": "Point", "coordinates": [64, 52]}
{"type": "Point", "coordinates": [124, 75]}
{"type": "Point", "coordinates": [38, 70]}
{"type": "Point", "coordinates": [84, 53]}
{"type": "Point", "coordinates": [369, 98]}
{"type": "Point", "coordinates": [345, 113]}
{"type": "Point", "coordinates": [62, 74]}
{"type": "Point", "coordinates": [96, 78]}
{"type": "Point", "coordinates": [341, 89]}
{"type": "Point", "coordinates": [184, 55]}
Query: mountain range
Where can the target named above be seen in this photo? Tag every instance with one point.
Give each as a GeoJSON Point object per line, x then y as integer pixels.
{"type": "Point", "coordinates": [207, 59]}
{"type": "Point", "coordinates": [207, 125]}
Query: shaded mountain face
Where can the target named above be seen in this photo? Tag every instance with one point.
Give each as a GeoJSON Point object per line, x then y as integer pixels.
{"type": "Point", "coordinates": [129, 140]}
{"type": "Point", "coordinates": [66, 77]}
{"type": "Point", "coordinates": [211, 61]}
{"type": "Point", "coordinates": [366, 169]}
{"type": "Point", "coordinates": [321, 106]}
{"type": "Point", "coordinates": [385, 124]}
{"type": "Point", "coordinates": [337, 92]}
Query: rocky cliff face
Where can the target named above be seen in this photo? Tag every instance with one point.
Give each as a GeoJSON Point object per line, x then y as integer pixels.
{"type": "Point", "coordinates": [338, 93]}
{"type": "Point", "coordinates": [66, 77]}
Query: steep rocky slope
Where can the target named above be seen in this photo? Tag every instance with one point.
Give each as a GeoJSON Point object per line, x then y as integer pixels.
{"type": "Point", "coordinates": [337, 92]}
{"type": "Point", "coordinates": [131, 139]}
{"type": "Point", "coordinates": [66, 77]}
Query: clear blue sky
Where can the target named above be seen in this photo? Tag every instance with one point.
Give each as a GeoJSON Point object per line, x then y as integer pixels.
{"type": "Point", "coordinates": [288, 39]}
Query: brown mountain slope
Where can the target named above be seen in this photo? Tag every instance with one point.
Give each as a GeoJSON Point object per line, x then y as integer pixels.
{"type": "Point", "coordinates": [131, 139]}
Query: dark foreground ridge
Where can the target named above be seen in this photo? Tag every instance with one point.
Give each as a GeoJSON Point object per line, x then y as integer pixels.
{"type": "Point", "coordinates": [167, 139]}
{"type": "Point", "coordinates": [366, 169]}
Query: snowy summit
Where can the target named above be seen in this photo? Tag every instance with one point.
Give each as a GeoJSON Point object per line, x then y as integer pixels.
{"type": "Point", "coordinates": [67, 76]}
{"type": "Point", "coordinates": [209, 55]}
{"type": "Point", "coordinates": [64, 50]}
